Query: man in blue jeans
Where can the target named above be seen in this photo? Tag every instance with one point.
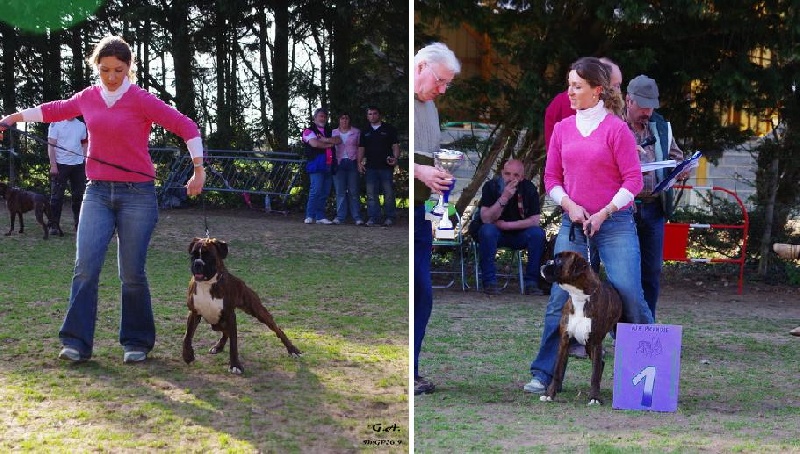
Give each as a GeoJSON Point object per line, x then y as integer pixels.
{"type": "Point", "coordinates": [652, 211]}
{"type": "Point", "coordinates": [378, 152]}
{"type": "Point", "coordinates": [509, 215]}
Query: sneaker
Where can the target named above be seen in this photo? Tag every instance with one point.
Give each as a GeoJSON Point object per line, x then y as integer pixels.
{"type": "Point", "coordinates": [336, 221]}
{"type": "Point", "coordinates": [534, 386]}
{"type": "Point", "coordinates": [134, 357]}
{"type": "Point", "coordinates": [578, 351]}
{"type": "Point", "coordinates": [423, 386]}
{"type": "Point", "coordinates": [359, 222]}
{"type": "Point", "coordinates": [388, 223]}
{"type": "Point", "coordinates": [492, 289]}
{"type": "Point", "coordinates": [370, 223]}
{"type": "Point", "coordinates": [309, 221]}
{"type": "Point", "coordinates": [324, 221]}
{"type": "Point", "coordinates": [71, 354]}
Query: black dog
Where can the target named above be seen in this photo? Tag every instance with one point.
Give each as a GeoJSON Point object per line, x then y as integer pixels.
{"type": "Point", "coordinates": [592, 310]}
{"type": "Point", "coordinates": [19, 201]}
{"type": "Point", "coordinates": [214, 294]}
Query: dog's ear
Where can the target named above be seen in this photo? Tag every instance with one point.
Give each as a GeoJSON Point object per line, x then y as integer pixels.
{"type": "Point", "coordinates": [222, 248]}
{"type": "Point", "coordinates": [194, 241]}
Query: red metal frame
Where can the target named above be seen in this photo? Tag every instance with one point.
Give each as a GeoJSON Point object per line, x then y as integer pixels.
{"type": "Point", "coordinates": [676, 236]}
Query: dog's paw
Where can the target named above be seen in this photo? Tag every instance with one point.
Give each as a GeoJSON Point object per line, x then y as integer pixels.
{"type": "Point", "coordinates": [545, 398]}
{"type": "Point", "coordinates": [236, 370]}
{"type": "Point", "coordinates": [214, 350]}
{"type": "Point", "coordinates": [593, 402]}
{"type": "Point", "coordinates": [294, 352]}
{"type": "Point", "coordinates": [188, 355]}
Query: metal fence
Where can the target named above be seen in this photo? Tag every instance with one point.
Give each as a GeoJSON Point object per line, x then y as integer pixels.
{"type": "Point", "coordinates": [275, 175]}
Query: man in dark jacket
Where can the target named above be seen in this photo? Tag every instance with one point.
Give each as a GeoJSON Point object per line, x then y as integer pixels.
{"type": "Point", "coordinates": [377, 155]}
{"type": "Point", "coordinates": [509, 213]}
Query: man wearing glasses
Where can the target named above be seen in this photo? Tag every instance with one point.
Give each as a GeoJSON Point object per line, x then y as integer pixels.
{"type": "Point", "coordinates": [434, 68]}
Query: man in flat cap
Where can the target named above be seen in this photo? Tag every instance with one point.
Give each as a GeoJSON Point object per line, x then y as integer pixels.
{"type": "Point", "coordinates": [652, 211]}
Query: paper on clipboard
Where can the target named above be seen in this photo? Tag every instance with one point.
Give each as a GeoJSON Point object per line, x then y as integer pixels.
{"type": "Point", "coordinates": [670, 180]}
{"type": "Point", "coordinates": [650, 166]}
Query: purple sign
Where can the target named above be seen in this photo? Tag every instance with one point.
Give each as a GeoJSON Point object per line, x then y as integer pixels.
{"type": "Point", "coordinates": [647, 367]}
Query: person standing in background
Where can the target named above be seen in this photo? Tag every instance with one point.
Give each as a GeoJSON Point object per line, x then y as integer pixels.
{"type": "Point", "coordinates": [67, 145]}
{"type": "Point", "coordinates": [378, 152]}
{"type": "Point", "coordinates": [319, 143]}
{"type": "Point", "coordinates": [652, 211]}
{"type": "Point", "coordinates": [346, 180]}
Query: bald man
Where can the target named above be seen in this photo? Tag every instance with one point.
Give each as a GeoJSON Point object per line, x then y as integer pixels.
{"type": "Point", "coordinates": [510, 215]}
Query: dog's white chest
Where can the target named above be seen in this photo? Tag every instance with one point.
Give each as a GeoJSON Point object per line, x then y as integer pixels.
{"type": "Point", "coordinates": [207, 306]}
{"type": "Point", "coordinates": [579, 325]}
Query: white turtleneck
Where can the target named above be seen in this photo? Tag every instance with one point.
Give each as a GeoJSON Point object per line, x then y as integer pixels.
{"type": "Point", "coordinates": [588, 119]}
{"type": "Point", "coordinates": [110, 97]}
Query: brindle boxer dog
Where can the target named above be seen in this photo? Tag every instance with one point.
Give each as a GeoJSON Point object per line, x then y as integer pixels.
{"type": "Point", "coordinates": [214, 294]}
{"type": "Point", "coordinates": [591, 311]}
{"type": "Point", "coordinates": [19, 201]}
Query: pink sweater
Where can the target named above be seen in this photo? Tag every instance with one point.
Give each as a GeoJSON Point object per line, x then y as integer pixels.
{"type": "Point", "coordinates": [120, 134]}
{"type": "Point", "coordinates": [592, 169]}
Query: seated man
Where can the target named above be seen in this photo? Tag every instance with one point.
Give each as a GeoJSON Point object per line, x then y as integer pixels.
{"type": "Point", "coordinates": [509, 213]}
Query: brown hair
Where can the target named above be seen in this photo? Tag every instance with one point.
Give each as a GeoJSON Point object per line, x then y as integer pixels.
{"type": "Point", "coordinates": [598, 74]}
{"type": "Point", "coordinates": [114, 46]}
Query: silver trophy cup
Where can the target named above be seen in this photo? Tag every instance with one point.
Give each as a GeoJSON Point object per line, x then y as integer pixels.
{"type": "Point", "coordinates": [448, 160]}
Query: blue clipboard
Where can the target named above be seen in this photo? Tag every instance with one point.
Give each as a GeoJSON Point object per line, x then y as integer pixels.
{"type": "Point", "coordinates": [670, 180]}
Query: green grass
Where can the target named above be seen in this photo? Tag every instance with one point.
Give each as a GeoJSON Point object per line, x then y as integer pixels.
{"type": "Point", "coordinates": [739, 388]}
{"type": "Point", "coordinates": [340, 293]}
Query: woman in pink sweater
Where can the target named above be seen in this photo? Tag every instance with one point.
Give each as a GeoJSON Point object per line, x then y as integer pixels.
{"type": "Point", "coordinates": [593, 172]}
{"type": "Point", "coordinates": [120, 196]}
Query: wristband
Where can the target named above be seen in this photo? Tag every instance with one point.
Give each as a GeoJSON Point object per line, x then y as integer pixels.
{"type": "Point", "coordinates": [198, 165]}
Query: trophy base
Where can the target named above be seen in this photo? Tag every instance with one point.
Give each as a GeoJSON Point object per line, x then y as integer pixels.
{"type": "Point", "coordinates": [430, 216]}
{"type": "Point", "coordinates": [445, 234]}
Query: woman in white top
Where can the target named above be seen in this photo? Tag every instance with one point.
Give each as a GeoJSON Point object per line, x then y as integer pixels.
{"type": "Point", "coordinates": [346, 179]}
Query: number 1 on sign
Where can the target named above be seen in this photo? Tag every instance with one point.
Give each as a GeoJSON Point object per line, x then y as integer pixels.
{"type": "Point", "coordinates": [648, 374]}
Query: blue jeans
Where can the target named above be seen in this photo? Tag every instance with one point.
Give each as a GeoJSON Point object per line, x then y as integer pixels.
{"type": "Point", "coordinates": [423, 287]}
{"type": "Point", "coordinates": [380, 180]}
{"type": "Point", "coordinates": [130, 210]}
{"type": "Point", "coordinates": [490, 238]}
{"type": "Point", "coordinates": [318, 192]}
{"type": "Point", "coordinates": [618, 248]}
{"type": "Point", "coordinates": [650, 227]}
{"type": "Point", "coordinates": [347, 191]}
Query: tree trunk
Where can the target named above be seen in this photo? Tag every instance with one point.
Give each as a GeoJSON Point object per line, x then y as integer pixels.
{"type": "Point", "coordinates": [280, 76]}
{"type": "Point", "coordinates": [51, 66]}
{"type": "Point", "coordinates": [183, 56]}
{"type": "Point", "coordinates": [78, 78]}
{"type": "Point", "coordinates": [769, 211]}
{"type": "Point", "coordinates": [221, 44]}
{"type": "Point", "coordinates": [265, 81]}
{"type": "Point", "coordinates": [340, 49]}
